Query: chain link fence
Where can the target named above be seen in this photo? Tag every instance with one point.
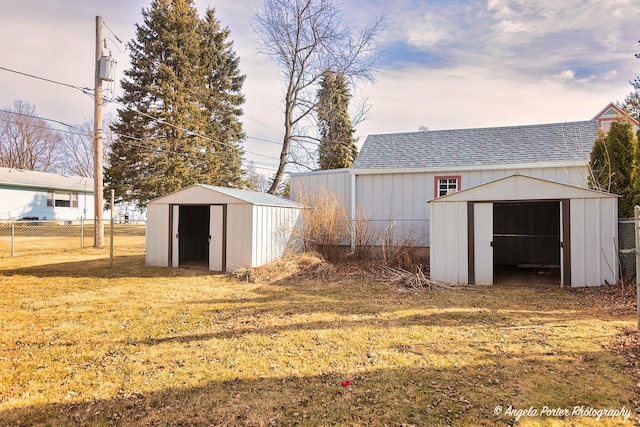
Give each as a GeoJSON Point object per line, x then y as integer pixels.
{"type": "Point", "coordinates": [32, 237]}
{"type": "Point", "coordinates": [626, 240]}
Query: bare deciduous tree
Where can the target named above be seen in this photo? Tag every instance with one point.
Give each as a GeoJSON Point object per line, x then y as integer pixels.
{"type": "Point", "coordinates": [78, 147]}
{"type": "Point", "coordinates": [307, 38]}
{"type": "Point", "coordinates": [26, 141]}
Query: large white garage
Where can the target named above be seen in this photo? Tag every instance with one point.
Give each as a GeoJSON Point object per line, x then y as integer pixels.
{"type": "Point", "coordinates": [218, 228]}
{"type": "Point", "coordinates": [524, 222]}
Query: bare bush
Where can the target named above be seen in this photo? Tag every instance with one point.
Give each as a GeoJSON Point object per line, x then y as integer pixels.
{"type": "Point", "coordinates": [362, 233]}
{"type": "Point", "coordinates": [325, 225]}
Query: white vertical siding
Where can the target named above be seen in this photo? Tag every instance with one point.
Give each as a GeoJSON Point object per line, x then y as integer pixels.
{"type": "Point", "coordinates": [449, 257]}
{"type": "Point", "coordinates": [239, 244]}
{"type": "Point", "coordinates": [158, 235]}
{"type": "Point", "coordinates": [593, 241]}
{"type": "Point", "coordinates": [336, 181]}
{"type": "Point", "coordinates": [273, 229]}
{"type": "Point", "coordinates": [398, 199]}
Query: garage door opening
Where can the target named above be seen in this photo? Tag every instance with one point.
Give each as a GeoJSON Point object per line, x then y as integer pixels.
{"type": "Point", "coordinates": [526, 243]}
{"type": "Point", "coordinates": [193, 236]}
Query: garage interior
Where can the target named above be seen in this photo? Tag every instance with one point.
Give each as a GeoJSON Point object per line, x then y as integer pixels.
{"type": "Point", "coordinates": [526, 243]}
{"type": "Point", "coordinates": [193, 236]}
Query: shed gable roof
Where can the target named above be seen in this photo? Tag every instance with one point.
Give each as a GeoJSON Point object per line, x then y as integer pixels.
{"type": "Point", "coordinates": [522, 187]}
{"type": "Point", "coordinates": [51, 181]}
{"type": "Point", "coordinates": [242, 196]}
{"type": "Point", "coordinates": [570, 141]}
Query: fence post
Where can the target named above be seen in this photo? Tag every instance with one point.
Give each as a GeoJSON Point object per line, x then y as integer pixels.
{"type": "Point", "coordinates": [82, 233]}
{"type": "Point", "coordinates": [111, 234]}
{"type": "Point", "coordinates": [636, 213]}
{"type": "Point", "coordinates": [13, 239]}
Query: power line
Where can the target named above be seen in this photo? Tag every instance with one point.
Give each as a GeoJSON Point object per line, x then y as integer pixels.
{"type": "Point", "coordinates": [88, 91]}
{"type": "Point", "coordinates": [37, 117]}
{"type": "Point", "coordinates": [85, 90]}
{"type": "Point", "coordinates": [264, 140]}
{"type": "Point", "coordinates": [263, 124]}
{"type": "Point", "coordinates": [111, 31]}
{"type": "Point", "coordinates": [189, 132]}
{"type": "Point", "coordinates": [77, 131]}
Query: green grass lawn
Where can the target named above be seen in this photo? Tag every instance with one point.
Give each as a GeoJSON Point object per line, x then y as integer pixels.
{"type": "Point", "coordinates": [85, 344]}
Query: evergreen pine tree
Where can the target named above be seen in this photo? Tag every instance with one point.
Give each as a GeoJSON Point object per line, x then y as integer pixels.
{"type": "Point", "coordinates": [179, 125]}
{"type": "Point", "coordinates": [613, 164]}
{"type": "Point", "coordinates": [337, 147]}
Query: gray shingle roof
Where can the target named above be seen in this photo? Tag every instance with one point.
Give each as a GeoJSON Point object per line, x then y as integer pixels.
{"type": "Point", "coordinates": [483, 146]}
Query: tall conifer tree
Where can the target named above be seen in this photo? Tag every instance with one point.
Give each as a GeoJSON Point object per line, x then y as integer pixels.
{"type": "Point", "coordinates": [337, 145]}
{"type": "Point", "coordinates": [182, 101]}
{"type": "Point", "coordinates": [613, 164]}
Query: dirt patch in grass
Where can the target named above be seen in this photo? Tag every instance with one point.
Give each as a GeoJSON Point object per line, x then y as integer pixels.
{"type": "Point", "coordinates": [86, 344]}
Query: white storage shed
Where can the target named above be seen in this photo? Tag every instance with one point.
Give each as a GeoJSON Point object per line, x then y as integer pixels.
{"type": "Point", "coordinates": [522, 221]}
{"type": "Point", "coordinates": [218, 228]}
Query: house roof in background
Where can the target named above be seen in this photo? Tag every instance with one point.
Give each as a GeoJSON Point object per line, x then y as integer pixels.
{"type": "Point", "coordinates": [612, 111]}
{"type": "Point", "coordinates": [571, 141]}
{"type": "Point", "coordinates": [51, 181]}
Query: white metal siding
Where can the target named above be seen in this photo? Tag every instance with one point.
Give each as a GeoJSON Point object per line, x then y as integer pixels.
{"type": "Point", "coordinates": [449, 257]}
{"type": "Point", "coordinates": [158, 235]}
{"type": "Point", "coordinates": [594, 230]}
{"type": "Point", "coordinates": [335, 181]}
{"type": "Point", "coordinates": [239, 230]}
{"type": "Point", "coordinates": [216, 238]}
{"type": "Point", "coordinates": [399, 200]}
{"type": "Point", "coordinates": [273, 232]}
{"type": "Point", "coordinates": [482, 243]}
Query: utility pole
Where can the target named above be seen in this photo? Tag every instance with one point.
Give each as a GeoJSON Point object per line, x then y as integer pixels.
{"type": "Point", "coordinates": [98, 236]}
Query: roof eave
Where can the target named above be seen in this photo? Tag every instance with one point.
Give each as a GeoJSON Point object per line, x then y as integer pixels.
{"type": "Point", "coordinates": [438, 169]}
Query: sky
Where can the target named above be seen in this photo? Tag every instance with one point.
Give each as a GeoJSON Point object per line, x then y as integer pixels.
{"type": "Point", "coordinates": [443, 64]}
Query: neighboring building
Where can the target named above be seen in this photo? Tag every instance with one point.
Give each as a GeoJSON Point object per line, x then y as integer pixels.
{"type": "Point", "coordinates": [612, 112]}
{"type": "Point", "coordinates": [45, 196]}
{"type": "Point", "coordinates": [218, 228]}
{"type": "Point", "coordinates": [395, 175]}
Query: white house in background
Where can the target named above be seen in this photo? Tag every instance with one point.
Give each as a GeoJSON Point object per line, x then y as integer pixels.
{"type": "Point", "coordinates": [395, 175]}
{"type": "Point", "coordinates": [28, 194]}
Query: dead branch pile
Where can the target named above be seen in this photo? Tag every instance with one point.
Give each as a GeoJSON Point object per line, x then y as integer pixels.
{"type": "Point", "coordinates": [413, 280]}
{"type": "Point", "coordinates": [307, 265]}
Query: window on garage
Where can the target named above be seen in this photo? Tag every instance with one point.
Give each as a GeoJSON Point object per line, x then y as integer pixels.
{"type": "Point", "coordinates": [446, 185]}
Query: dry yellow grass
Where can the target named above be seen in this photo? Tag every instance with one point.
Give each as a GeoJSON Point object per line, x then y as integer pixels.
{"type": "Point", "coordinates": [83, 344]}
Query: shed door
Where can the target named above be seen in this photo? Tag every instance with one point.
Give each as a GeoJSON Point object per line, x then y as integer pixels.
{"type": "Point", "coordinates": [175, 237]}
{"type": "Point", "coordinates": [483, 243]}
{"type": "Point", "coordinates": [216, 239]}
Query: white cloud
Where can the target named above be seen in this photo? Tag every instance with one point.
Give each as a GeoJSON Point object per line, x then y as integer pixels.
{"type": "Point", "coordinates": [504, 62]}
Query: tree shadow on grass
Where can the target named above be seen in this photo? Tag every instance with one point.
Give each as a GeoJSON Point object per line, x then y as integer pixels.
{"type": "Point", "coordinates": [123, 266]}
{"type": "Point", "coordinates": [466, 394]}
{"type": "Point", "coordinates": [251, 325]}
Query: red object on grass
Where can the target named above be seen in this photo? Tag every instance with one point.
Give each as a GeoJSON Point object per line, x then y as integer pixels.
{"type": "Point", "coordinates": [346, 383]}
